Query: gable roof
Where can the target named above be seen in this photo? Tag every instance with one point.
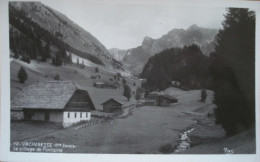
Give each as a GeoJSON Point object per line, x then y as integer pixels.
{"type": "Point", "coordinates": [169, 97]}
{"type": "Point", "coordinates": [111, 100]}
{"type": "Point", "coordinates": [45, 95]}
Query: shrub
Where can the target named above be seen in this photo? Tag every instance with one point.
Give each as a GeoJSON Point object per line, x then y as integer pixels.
{"type": "Point", "coordinates": [166, 149]}
{"type": "Point", "coordinates": [124, 81]}
{"type": "Point", "coordinates": [96, 70]}
{"type": "Point", "coordinates": [22, 75]}
{"type": "Point", "coordinates": [138, 93]}
{"type": "Point", "coordinates": [203, 95]}
{"type": "Point", "coordinates": [127, 92]}
{"type": "Point", "coordinates": [57, 77]}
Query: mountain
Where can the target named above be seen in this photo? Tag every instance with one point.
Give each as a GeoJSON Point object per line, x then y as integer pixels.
{"type": "Point", "coordinates": [118, 54]}
{"type": "Point", "coordinates": [35, 20]}
{"type": "Point", "coordinates": [202, 37]}
{"type": "Point", "coordinates": [186, 65]}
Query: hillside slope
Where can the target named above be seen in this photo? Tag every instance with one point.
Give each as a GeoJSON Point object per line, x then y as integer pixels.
{"type": "Point", "coordinates": [35, 15]}
{"type": "Point", "coordinates": [186, 65]}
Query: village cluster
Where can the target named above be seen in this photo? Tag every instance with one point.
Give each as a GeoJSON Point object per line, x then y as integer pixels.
{"type": "Point", "coordinates": [66, 103]}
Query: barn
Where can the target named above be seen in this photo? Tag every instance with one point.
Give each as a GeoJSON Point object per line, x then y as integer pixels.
{"type": "Point", "coordinates": [166, 100]}
{"type": "Point", "coordinates": [112, 105]}
{"type": "Point", "coordinates": [62, 102]}
{"type": "Point", "coordinates": [160, 99]}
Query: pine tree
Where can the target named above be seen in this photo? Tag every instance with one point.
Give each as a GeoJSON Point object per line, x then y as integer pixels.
{"type": "Point", "coordinates": [22, 75]}
{"type": "Point", "coordinates": [127, 92]}
{"type": "Point", "coordinates": [96, 70]}
{"type": "Point", "coordinates": [78, 62]}
{"type": "Point", "coordinates": [232, 69]}
{"type": "Point", "coordinates": [82, 64]}
{"type": "Point", "coordinates": [203, 95]}
{"type": "Point", "coordinates": [138, 94]}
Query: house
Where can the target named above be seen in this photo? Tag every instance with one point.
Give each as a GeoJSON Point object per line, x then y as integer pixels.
{"type": "Point", "coordinates": [166, 100]}
{"type": "Point", "coordinates": [153, 95]}
{"type": "Point", "coordinates": [147, 102]}
{"type": "Point", "coordinates": [62, 102]}
{"type": "Point", "coordinates": [112, 105]}
{"type": "Point", "coordinates": [160, 99]}
{"type": "Point", "coordinates": [176, 84]}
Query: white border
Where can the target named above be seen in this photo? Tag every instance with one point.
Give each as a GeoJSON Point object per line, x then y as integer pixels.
{"type": "Point", "coordinates": [6, 155]}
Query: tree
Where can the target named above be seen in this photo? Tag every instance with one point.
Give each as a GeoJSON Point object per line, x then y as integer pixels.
{"type": "Point", "coordinates": [57, 77]}
{"type": "Point", "coordinates": [203, 95]}
{"type": "Point", "coordinates": [124, 81]}
{"type": "Point", "coordinates": [46, 53]}
{"type": "Point", "coordinates": [232, 69]}
{"type": "Point", "coordinates": [138, 94]}
{"type": "Point", "coordinates": [82, 65]}
{"type": "Point", "coordinates": [118, 76]}
{"type": "Point", "coordinates": [77, 61]}
{"type": "Point", "coordinates": [96, 70]}
{"type": "Point", "coordinates": [26, 58]}
{"type": "Point", "coordinates": [22, 75]}
{"type": "Point", "coordinates": [127, 92]}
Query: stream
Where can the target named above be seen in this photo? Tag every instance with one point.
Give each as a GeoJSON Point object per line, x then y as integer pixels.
{"type": "Point", "coordinates": [184, 141]}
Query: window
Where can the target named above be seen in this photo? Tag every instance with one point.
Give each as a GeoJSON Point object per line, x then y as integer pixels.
{"type": "Point", "coordinates": [68, 115]}
{"type": "Point", "coordinates": [81, 115]}
{"type": "Point", "coordinates": [75, 114]}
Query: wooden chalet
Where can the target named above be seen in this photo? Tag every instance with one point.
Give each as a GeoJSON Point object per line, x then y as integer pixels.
{"type": "Point", "coordinates": [112, 105]}
{"type": "Point", "coordinates": [53, 101]}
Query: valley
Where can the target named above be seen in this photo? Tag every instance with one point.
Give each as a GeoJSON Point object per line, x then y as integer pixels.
{"type": "Point", "coordinates": [184, 92]}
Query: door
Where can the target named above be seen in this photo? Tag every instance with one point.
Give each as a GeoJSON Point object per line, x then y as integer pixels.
{"type": "Point", "coordinates": [47, 116]}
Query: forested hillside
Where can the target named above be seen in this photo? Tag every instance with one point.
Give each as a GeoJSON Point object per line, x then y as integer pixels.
{"type": "Point", "coordinates": [186, 65]}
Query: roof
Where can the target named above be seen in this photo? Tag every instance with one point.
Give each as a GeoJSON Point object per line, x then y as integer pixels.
{"type": "Point", "coordinates": [111, 100]}
{"type": "Point", "coordinates": [99, 82]}
{"type": "Point", "coordinates": [169, 97]}
{"type": "Point", "coordinates": [45, 95]}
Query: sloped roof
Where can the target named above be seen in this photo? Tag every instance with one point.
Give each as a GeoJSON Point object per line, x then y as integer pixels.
{"type": "Point", "coordinates": [45, 95]}
{"type": "Point", "coordinates": [169, 97]}
{"type": "Point", "coordinates": [113, 100]}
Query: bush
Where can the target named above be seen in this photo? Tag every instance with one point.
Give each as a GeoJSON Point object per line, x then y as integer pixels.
{"type": "Point", "coordinates": [124, 81]}
{"type": "Point", "coordinates": [203, 95]}
{"type": "Point", "coordinates": [57, 77]}
{"type": "Point", "coordinates": [96, 70]}
{"type": "Point", "coordinates": [22, 75]}
{"type": "Point", "coordinates": [166, 149]}
{"type": "Point", "coordinates": [127, 92]}
{"type": "Point", "coordinates": [26, 58]}
{"type": "Point", "coordinates": [138, 94]}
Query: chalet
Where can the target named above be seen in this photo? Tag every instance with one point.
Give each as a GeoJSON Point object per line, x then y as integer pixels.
{"type": "Point", "coordinates": [112, 105]}
{"type": "Point", "coordinates": [62, 102]}
{"type": "Point", "coordinates": [153, 95]}
{"type": "Point", "coordinates": [160, 99]}
{"type": "Point", "coordinates": [176, 84]}
{"type": "Point", "coordinates": [166, 100]}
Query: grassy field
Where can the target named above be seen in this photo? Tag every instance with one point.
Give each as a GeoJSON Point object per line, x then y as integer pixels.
{"type": "Point", "coordinates": [27, 129]}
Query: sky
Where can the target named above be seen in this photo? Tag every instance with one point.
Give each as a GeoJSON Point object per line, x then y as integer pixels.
{"type": "Point", "coordinates": [124, 25]}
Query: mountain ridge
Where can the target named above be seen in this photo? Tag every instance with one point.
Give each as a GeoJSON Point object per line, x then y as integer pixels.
{"type": "Point", "coordinates": [135, 58]}
{"type": "Point", "coordinates": [60, 26]}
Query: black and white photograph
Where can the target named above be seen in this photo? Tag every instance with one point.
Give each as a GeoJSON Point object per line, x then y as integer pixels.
{"type": "Point", "coordinates": [138, 78]}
